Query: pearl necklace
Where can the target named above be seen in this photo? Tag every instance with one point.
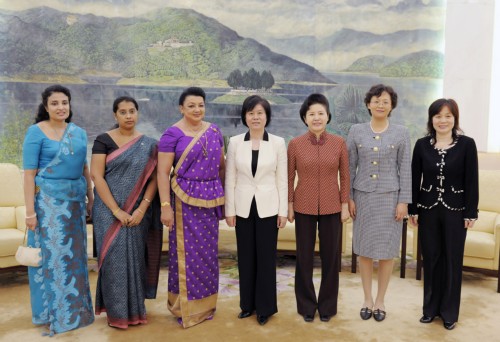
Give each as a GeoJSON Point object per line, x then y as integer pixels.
{"type": "Point", "coordinates": [380, 131]}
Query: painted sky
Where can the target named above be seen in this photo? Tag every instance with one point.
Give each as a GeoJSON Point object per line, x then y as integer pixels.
{"type": "Point", "coordinates": [269, 21]}
{"type": "Point", "coordinates": [264, 19]}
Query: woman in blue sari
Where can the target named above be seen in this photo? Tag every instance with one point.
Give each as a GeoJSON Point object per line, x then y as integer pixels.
{"type": "Point", "coordinates": [56, 179]}
{"type": "Point", "coordinates": [126, 216]}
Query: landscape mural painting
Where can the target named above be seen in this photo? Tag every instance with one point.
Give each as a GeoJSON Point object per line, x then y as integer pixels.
{"type": "Point", "coordinates": [282, 50]}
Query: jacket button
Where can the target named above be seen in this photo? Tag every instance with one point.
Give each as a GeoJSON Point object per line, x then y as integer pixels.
{"type": "Point", "coordinates": [375, 149]}
{"type": "Point", "coordinates": [374, 162]}
{"type": "Point", "coordinates": [373, 176]}
{"type": "Point", "coordinates": [377, 137]}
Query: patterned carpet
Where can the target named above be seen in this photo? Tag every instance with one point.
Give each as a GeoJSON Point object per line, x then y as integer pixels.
{"type": "Point", "coordinates": [403, 304]}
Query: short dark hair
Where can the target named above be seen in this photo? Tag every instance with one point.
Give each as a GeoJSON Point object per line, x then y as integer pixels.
{"type": "Point", "coordinates": [435, 108]}
{"type": "Point", "coordinates": [191, 91]}
{"type": "Point", "coordinates": [42, 113]}
{"type": "Point", "coordinates": [250, 103]}
{"type": "Point", "coordinates": [121, 99]}
{"type": "Point", "coordinates": [376, 91]}
{"type": "Point", "coordinates": [312, 100]}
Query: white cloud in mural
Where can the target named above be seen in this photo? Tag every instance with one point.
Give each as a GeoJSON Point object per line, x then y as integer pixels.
{"type": "Point", "coordinates": [282, 17]}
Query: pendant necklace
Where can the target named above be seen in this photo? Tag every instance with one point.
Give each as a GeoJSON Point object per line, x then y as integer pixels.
{"type": "Point", "coordinates": [203, 147]}
{"type": "Point", "coordinates": [60, 136]}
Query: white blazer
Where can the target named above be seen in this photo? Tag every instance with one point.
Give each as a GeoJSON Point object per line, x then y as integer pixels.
{"type": "Point", "coordinates": [270, 184]}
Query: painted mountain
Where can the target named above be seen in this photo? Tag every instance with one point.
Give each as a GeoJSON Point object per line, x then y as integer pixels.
{"type": "Point", "coordinates": [340, 50]}
{"type": "Point", "coordinates": [418, 64]}
{"type": "Point", "coordinates": [161, 46]}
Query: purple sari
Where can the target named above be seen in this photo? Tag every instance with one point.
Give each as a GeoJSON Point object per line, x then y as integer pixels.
{"type": "Point", "coordinates": [197, 199]}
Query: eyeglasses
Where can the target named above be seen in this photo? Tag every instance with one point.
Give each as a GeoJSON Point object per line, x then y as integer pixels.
{"type": "Point", "coordinates": [380, 103]}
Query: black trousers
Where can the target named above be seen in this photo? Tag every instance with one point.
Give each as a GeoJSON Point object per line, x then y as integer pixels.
{"type": "Point", "coordinates": [329, 233]}
{"type": "Point", "coordinates": [442, 236]}
{"type": "Point", "coordinates": [256, 239]}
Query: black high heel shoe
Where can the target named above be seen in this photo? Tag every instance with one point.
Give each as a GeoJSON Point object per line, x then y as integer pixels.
{"type": "Point", "coordinates": [308, 318]}
{"type": "Point", "coordinates": [325, 318]}
{"type": "Point", "coordinates": [261, 319]}
{"type": "Point", "coordinates": [427, 319]}
{"type": "Point", "coordinates": [379, 315]}
{"type": "Point", "coordinates": [245, 314]}
{"type": "Point", "coordinates": [449, 325]}
{"type": "Point", "coordinates": [366, 313]}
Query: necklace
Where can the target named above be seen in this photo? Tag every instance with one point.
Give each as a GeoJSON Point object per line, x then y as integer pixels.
{"type": "Point", "coordinates": [60, 136]}
{"type": "Point", "coordinates": [380, 131]}
{"type": "Point", "coordinates": [195, 132]}
{"type": "Point", "coordinates": [203, 147]}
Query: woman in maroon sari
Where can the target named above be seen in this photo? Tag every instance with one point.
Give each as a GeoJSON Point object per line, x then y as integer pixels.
{"type": "Point", "coordinates": [126, 217]}
{"type": "Point", "coordinates": [191, 207]}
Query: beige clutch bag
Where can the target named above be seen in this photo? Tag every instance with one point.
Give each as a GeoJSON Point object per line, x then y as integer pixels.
{"type": "Point", "coordinates": [28, 256]}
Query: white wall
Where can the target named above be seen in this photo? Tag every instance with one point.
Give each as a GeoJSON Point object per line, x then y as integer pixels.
{"type": "Point", "coordinates": [494, 120]}
{"type": "Point", "coordinates": [468, 67]}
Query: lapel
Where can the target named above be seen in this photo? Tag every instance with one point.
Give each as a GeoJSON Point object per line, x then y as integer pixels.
{"type": "Point", "coordinates": [245, 154]}
{"type": "Point", "coordinates": [265, 152]}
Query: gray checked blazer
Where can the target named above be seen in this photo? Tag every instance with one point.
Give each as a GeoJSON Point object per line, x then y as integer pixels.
{"type": "Point", "coordinates": [380, 162]}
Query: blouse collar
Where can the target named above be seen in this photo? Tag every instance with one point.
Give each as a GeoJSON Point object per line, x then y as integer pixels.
{"type": "Point", "coordinates": [312, 138]}
{"type": "Point", "coordinates": [265, 137]}
{"type": "Point", "coordinates": [433, 143]}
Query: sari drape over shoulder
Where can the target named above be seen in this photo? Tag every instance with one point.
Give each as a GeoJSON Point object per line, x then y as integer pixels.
{"type": "Point", "coordinates": [197, 199]}
{"type": "Point", "coordinates": [129, 257]}
{"type": "Point", "coordinates": [59, 288]}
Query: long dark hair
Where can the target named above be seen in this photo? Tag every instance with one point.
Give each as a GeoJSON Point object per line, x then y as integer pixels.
{"type": "Point", "coordinates": [435, 108]}
{"type": "Point", "coordinates": [42, 113]}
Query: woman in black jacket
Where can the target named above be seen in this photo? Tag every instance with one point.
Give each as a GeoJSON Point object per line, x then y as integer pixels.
{"type": "Point", "coordinates": [445, 199]}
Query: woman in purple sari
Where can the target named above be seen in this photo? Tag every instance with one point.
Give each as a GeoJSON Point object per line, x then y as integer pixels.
{"type": "Point", "coordinates": [127, 226]}
{"type": "Point", "coordinates": [191, 207]}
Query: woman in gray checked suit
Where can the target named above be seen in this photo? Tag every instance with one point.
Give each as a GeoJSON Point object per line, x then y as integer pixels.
{"type": "Point", "coordinates": [380, 168]}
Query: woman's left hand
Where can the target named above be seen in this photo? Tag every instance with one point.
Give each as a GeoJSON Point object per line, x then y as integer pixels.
{"type": "Point", "coordinates": [136, 218]}
{"type": "Point", "coordinates": [469, 224]}
{"type": "Point", "coordinates": [89, 206]}
{"type": "Point", "coordinates": [401, 211]}
{"type": "Point", "coordinates": [281, 221]}
{"type": "Point", "coordinates": [344, 213]}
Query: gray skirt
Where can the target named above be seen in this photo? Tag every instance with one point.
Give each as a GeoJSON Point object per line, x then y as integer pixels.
{"type": "Point", "coordinates": [376, 234]}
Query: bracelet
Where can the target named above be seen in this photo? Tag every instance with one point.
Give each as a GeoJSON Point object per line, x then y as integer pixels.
{"type": "Point", "coordinates": [116, 211]}
{"type": "Point", "coordinates": [32, 216]}
{"type": "Point", "coordinates": [140, 210]}
{"type": "Point", "coordinates": [147, 200]}
{"type": "Point", "coordinates": [164, 203]}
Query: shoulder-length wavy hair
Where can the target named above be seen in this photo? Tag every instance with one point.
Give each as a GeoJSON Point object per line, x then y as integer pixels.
{"type": "Point", "coordinates": [435, 108]}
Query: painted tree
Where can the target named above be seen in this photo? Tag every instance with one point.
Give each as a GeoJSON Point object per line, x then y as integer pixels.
{"type": "Point", "coordinates": [15, 124]}
{"type": "Point", "coordinates": [235, 79]}
{"type": "Point", "coordinates": [254, 80]}
{"type": "Point", "coordinates": [267, 79]}
{"type": "Point", "coordinates": [350, 108]}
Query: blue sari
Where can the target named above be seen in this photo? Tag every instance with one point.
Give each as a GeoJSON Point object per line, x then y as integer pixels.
{"type": "Point", "coordinates": [60, 291]}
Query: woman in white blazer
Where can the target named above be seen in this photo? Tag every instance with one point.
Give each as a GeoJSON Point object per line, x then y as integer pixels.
{"type": "Point", "coordinates": [256, 202]}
